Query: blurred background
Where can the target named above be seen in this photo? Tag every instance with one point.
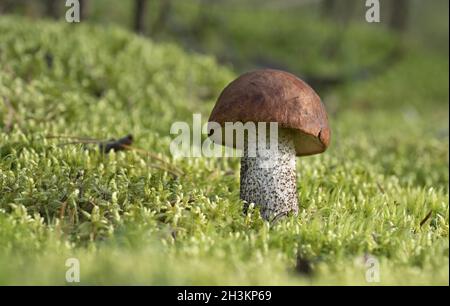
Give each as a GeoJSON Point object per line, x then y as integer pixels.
{"type": "Point", "coordinates": [325, 41]}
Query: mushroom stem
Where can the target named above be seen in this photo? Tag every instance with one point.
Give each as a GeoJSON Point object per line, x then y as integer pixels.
{"type": "Point", "coordinates": [269, 179]}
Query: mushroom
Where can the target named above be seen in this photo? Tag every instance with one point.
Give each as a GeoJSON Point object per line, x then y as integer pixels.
{"type": "Point", "coordinates": [273, 96]}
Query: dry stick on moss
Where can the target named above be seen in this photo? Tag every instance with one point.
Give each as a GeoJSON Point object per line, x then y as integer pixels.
{"type": "Point", "coordinates": [72, 137]}
{"type": "Point", "coordinates": [174, 173]}
{"type": "Point", "coordinates": [122, 143]}
{"type": "Point", "coordinates": [174, 170]}
{"type": "Point", "coordinates": [427, 217]}
{"type": "Point", "coordinates": [104, 145]}
{"type": "Point", "coordinates": [76, 142]}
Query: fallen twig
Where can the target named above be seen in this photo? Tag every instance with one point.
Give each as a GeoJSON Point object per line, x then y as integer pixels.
{"type": "Point", "coordinates": [154, 156]}
{"type": "Point", "coordinates": [427, 217]}
{"type": "Point", "coordinates": [120, 144]}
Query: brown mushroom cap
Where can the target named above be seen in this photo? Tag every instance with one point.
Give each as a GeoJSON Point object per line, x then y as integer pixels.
{"type": "Point", "coordinates": [276, 96]}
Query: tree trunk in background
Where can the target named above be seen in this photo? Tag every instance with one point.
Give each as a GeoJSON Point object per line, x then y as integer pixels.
{"type": "Point", "coordinates": [83, 9]}
{"type": "Point", "coordinates": [328, 8]}
{"type": "Point", "coordinates": [8, 6]}
{"type": "Point", "coordinates": [344, 10]}
{"type": "Point", "coordinates": [163, 15]}
{"type": "Point", "coordinates": [399, 15]}
{"type": "Point", "coordinates": [51, 9]}
{"type": "Point", "coordinates": [140, 13]}
{"type": "Point", "coordinates": [341, 11]}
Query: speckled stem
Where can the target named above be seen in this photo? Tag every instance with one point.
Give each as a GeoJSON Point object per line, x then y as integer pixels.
{"type": "Point", "coordinates": [270, 181]}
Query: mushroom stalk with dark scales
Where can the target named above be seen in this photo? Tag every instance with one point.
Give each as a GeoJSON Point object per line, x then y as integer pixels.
{"type": "Point", "coordinates": [270, 179]}
{"type": "Point", "coordinates": [269, 96]}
